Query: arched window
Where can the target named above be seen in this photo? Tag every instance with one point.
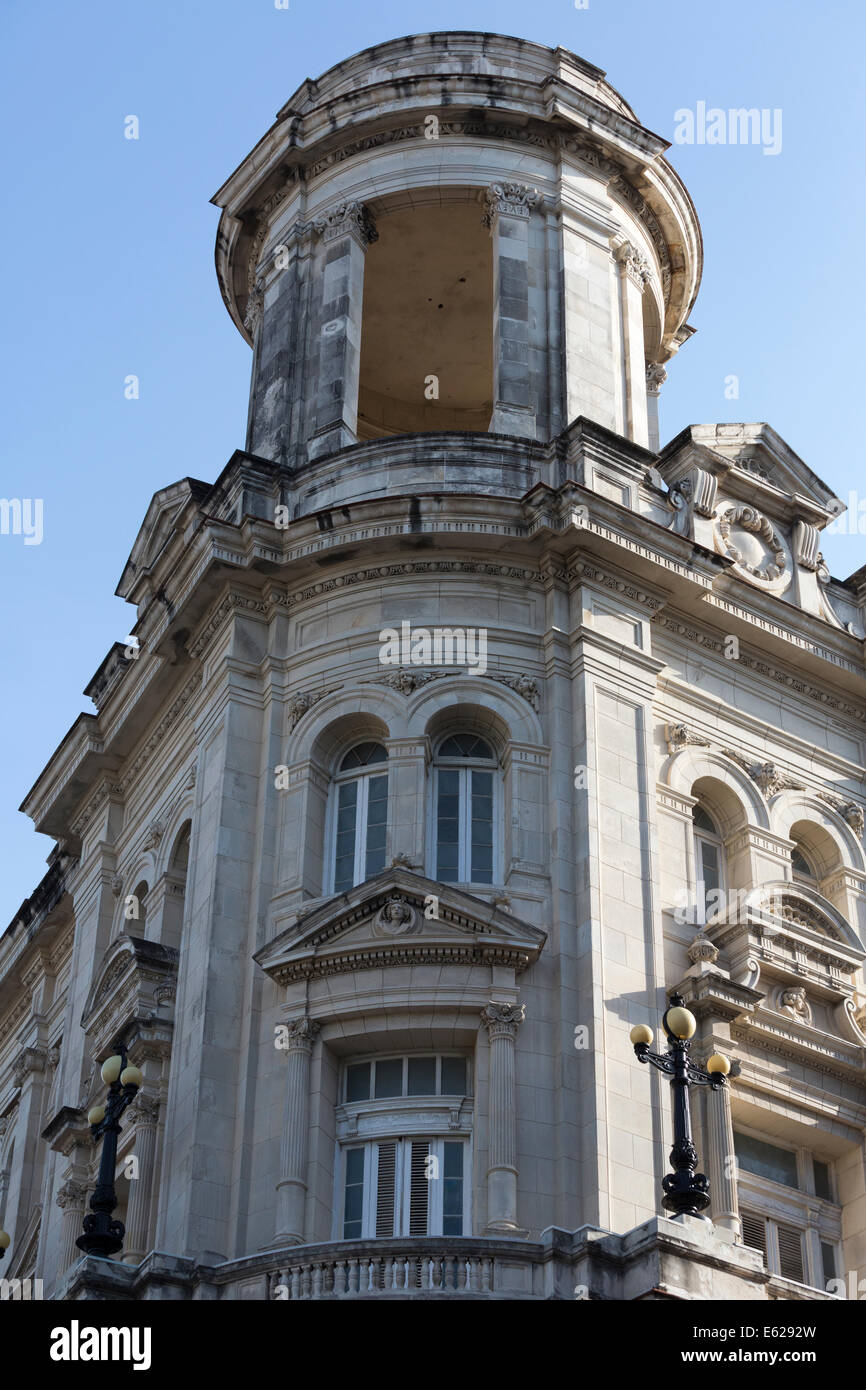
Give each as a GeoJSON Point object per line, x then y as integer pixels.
{"type": "Point", "coordinates": [135, 909]}
{"type": "Point", "coordinates": [465, 811]}
{"type": "Point", "coordinates": [710, 861]}
{"type": "Point", "coordinates": [801, 867]}
{"type": "Point", "coordinates": [360, 816]}
{"type": "Point", "coordinates": [180, 853]}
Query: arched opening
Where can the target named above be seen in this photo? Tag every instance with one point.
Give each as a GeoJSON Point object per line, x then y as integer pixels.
{"type": "Point", "coordinates": [427, 329]}
{"type": "Point", "coordinates": [815, 853]}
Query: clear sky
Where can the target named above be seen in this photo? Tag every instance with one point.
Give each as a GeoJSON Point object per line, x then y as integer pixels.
{"type": "Point", "coordinates": [108, 256]}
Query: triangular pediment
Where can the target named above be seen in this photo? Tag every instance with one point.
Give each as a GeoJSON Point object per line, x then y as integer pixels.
{"type": "Point", "coordinates": [157, 528]}
{"type": "Point", "coordinates": [752, 464]}
{"type": "Point", "coordinates": [395, 918]}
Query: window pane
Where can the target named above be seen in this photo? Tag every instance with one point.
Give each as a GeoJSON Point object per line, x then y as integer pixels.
{"type": "Point", "coordinates": [828, 1260]}
{"type": "Point", "coordinates": [362, 755]}
{"type": "Point", "coordinates": [464, 746]}
{"type": "Point", "coordinates": [710, 866]}
{"type": "Point", "coordinates": [766, 1160]}
{"type": "Point", "coordinates": [754, 1232]}
{"type": "Point", "coordinates": [347, 817]}
{"type": "Point", "coordinates": [358, 1081]}
{"type": "Point", "coordinates": [482, 827]}
{"type": "Point", "coordinates": [389, 1077]}
{"type": "Point", "coordinates": [453, 1076]}
{"type": "Point", "coordinates": [448, 826]}
{"type": "Point", "coordinates": [353, 1211]}
{"type": "Point", "coordinates": [452, 1195]}
{"type": "Point", "coordinates": [377, 816]}
{"type": "Point", "coordinates": [822, 1180]}
{"type": "Point", "coordinates": [702, 821]}
{"type": "Point", "coordinates": [422, 1076]}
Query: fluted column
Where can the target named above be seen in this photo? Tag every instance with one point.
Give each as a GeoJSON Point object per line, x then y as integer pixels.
{"type": "Point", "coordinates": [144, 1113]}
{"type": "Point", "coordinates": [502, 1022]}
{"type": "Point", "coordinates": [71, 1199]}
{"type": "Point", "coordinates": [720, 1161]}
{"type": "Point", "coordinates": [292, 1186]}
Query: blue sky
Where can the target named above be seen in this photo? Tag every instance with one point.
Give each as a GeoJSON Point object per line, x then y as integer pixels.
{"type": "Point", "coordinates": [108, 249]}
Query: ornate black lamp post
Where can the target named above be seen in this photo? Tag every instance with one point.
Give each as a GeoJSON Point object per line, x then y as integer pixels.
{"type": "Point", "coordinates": [102, 1234]}
{"type": "Point", "coordinates": [687, 1193]}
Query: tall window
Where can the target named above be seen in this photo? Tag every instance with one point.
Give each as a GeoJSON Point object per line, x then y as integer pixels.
{"type": "Point", "coordinates": [466, 795]}
{"type": "Point", "coordinates": [360, 816]}
{"type": "Point", "coordinates": [415, 1182]}
{"type": "Point", "coordinates": [710, 860]}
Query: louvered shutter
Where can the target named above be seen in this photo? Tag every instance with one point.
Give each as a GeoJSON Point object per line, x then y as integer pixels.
{"type": "Point", "coordinates": [754, 1232]}
{"type": "Point", "coordinates": [419, 1188]}
{"type": "Point", "coordinates": [790, 1253]}
{"type": "Point", "coordinates": [385, 1188]}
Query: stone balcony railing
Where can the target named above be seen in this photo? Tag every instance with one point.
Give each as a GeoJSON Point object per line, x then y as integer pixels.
{"type": "Point", "coordinates": [449, 1267]}
{"type": "Point", "coordinates": [662, 1258]}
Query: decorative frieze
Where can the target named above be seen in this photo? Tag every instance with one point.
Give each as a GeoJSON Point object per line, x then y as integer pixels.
{"type": "Point", "coordinates": [304, 700]}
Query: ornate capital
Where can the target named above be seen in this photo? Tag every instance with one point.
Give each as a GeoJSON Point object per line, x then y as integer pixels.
{"type": "Point", "coordinates": [503, 1020]}
{"type": "Point", "coordinates": [72, 1194]}
{"type": "Point", "coordinates": [656, 376]}
{"type": "Point", "coordinates": [635, 265]}
{"type": "Point", "coordinates": [144, 1109]}
{"type": "Point", "coordinates": [347, 219]}
{"type": "Point", "coordinates": [30, 1059]}
{"type": "Point", "coordinates": [301, 1034]}
{"type": "Point", "coordinates": [510, 199]}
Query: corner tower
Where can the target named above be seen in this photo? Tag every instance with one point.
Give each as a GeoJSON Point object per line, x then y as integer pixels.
{"type": "Point", "coordinates": [455, 232]}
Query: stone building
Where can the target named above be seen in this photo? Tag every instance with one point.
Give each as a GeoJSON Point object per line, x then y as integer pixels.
{"type": "Point", "coordinates": [376, 927]}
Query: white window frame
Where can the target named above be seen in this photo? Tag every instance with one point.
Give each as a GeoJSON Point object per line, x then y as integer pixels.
{"type": "Point", "coordinates": [702, 837]}
{"type": "Point", "coordinates": [465, 766]}
{"type": "Point", "coordinates": [362, 776]}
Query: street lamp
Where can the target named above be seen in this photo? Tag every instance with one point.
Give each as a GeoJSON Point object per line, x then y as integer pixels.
{"type": "Point", "coordinates": [687, 1193]}
{"type": "Point", "coordinates": [102, 1234]}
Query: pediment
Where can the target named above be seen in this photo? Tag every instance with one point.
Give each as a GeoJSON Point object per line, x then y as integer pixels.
{"type": "Point", "coordinates": [752, 464]}
{"type": "Point", "coordinates": [130, 973]}
{"type": "Point", "coordinates": [790, 931]}
{"type": "Point", "coordinates": [389, 920]}
{"type": "Point", "coordinates": [157, 528]}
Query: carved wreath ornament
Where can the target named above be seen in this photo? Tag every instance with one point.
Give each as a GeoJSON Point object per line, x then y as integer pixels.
{"type": "Point", "coordinates": [754, 521]}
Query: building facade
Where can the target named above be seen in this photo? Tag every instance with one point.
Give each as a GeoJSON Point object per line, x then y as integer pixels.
{"type": "Point", "coordinates": [465, 723]}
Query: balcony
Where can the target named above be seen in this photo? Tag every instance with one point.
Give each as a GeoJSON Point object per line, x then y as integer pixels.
{"type": "Point", "coordinates": [439, 1267]}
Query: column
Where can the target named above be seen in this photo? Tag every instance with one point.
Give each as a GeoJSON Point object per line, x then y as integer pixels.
{"type": "Point", "coordinates": [656, 376]}
{"type": "Point", "coordinates": [634, 277]}
{"type": "Point", "coordinates": [502, 1022]}
{"type": "Point", "coordinates": [292, 1187]}
{"type": "Point", "coordinates": [719, 1158]}
{"type": "Point", "coordinates": [144, 1114]}
{"type": "Point", "coordinates": [508, 207]}
{"type": "Point", "coordinates": [71, 1198]}
{"type": "Point", "coordinates": [346, 232]}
